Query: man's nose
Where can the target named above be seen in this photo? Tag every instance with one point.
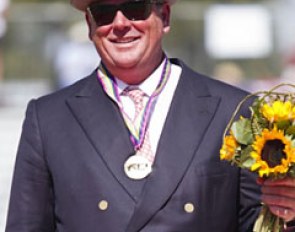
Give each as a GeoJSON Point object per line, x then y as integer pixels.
{"type": "Point", "coordinates": [121, 21]}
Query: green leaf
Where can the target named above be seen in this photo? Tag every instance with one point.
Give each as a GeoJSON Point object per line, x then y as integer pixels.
{"type": "Point", "coordinates": [258, 124]}
{"type": "Point", "coordinates": [291, 172]}
{"type": "Point", "coordinates": [245, 152]}
{"type": "Point", "coordinates": [291, 130]}
{"type": "Point", "coordinates": [283, 125]}
{"type": "Point", "coordinates": [242, 131]}
{"type": "Point", "coordinates": [255, 108]}
{"type": "Point", "coordinates": [248, 163]}
{"type": "Point", "coordinates": [246, 160]}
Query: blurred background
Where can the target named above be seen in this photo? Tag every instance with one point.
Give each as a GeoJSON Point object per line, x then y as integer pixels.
{"type": "Point", "coordinates": [44, 47]}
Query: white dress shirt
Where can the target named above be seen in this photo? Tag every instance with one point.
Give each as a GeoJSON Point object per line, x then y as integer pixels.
{"type": "Point", "coordinates": [161, 104]}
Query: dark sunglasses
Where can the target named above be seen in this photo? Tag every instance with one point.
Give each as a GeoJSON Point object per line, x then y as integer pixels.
{"type": "Point", "coordinates": [104, 14]}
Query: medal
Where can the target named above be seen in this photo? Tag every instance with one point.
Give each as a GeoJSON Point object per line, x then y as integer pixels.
{"type": "Point", "coordinates": [137, 167]}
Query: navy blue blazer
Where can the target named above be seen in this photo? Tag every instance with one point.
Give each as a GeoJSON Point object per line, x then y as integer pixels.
{"type": "Point", "coordinates": [69, 173]}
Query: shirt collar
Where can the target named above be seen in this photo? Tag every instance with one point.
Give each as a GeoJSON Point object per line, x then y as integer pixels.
{"type": "Point", "coordinates": [148, 86]}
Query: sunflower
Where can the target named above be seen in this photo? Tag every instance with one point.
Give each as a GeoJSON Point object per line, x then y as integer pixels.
{"type": "Point", "coordinates": [278, 111]}
{"type": "Point", "coordinates": [272, 152]}
{"type": "Point", "coordinates": [228, 148]}
{"type": "Point", "coordinates": [293, 113]}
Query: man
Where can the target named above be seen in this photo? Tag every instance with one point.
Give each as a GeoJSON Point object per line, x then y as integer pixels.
{"type": "Point", "coordinates": [90, 159]}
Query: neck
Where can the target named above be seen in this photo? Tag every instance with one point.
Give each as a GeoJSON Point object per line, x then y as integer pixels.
{"type": "Point", "coordinates": [135, 75]}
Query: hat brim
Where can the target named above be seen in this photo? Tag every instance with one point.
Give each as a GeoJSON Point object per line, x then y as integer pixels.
{"type": "Point", "coordinates": [83, 4]}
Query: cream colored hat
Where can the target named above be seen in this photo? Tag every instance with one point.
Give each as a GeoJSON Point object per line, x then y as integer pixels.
{"type": "Point", "coordinates": [82, 4]}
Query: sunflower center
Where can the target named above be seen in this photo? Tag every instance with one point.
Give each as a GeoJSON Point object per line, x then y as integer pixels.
{"type": "Point", "coordinates": [273, 152]}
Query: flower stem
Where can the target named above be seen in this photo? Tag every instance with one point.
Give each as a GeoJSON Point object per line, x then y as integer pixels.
{"type": "Point", "coordinates": [267, 222]}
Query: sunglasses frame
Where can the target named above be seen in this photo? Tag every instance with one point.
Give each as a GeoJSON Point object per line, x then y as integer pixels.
{"type": "Point", "coordinates": [122, 7]}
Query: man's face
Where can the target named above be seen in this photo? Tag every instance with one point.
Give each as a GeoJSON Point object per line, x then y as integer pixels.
{"type": "Point", "coordinates": [125, 44]}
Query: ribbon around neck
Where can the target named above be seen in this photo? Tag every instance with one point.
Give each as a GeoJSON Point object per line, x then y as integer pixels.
{"type": "Point", "coordinates": [137, 132]}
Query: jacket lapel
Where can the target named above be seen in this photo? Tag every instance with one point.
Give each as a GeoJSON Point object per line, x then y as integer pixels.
{"type": "Point", "coordinates": [103, 124]}
{"type": "Point", "coordinates": [190, 114]}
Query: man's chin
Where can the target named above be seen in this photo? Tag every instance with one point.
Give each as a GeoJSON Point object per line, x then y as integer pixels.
{"type": "Point", "coordinates": [125, 64]}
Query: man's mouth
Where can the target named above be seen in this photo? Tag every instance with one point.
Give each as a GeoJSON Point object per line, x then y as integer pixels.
{"type": "Point", "coordinates": [125, 40]}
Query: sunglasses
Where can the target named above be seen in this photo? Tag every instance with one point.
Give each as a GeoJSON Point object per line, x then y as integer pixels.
{"type": "Point", "coordinates": [104, 14]}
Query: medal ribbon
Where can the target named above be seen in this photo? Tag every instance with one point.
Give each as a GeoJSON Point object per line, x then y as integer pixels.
{"type": "Point", "coordinates": [136, 129]}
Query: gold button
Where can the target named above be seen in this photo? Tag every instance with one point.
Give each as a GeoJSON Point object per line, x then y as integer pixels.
{"type": "Point", "coordinates": [189, 207]}
{"type": "Point", "coordinates": [103, 205]}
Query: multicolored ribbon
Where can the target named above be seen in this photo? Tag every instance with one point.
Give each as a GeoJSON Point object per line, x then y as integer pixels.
{"type": "Point", "coordinates": [137, 131]}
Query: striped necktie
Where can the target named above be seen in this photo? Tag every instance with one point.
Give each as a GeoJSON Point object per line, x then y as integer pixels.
{"type": "Point", "coordinates": [137, 96]}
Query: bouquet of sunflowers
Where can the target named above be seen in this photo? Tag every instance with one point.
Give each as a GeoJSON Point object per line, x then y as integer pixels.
{"type": "Point", "coordinates": [264, 143]}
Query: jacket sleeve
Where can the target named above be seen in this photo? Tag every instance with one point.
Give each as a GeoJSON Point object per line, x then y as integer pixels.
{"type": "Point", "coordinates": [250, 192]}
{"type": "Point", "coordinates": [249, 201]}
{"type": "Point", "coordinates": [31, 199]}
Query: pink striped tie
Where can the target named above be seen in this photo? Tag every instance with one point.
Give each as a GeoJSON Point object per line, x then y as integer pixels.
{"type": "Point", "coordinates": [137, 96]}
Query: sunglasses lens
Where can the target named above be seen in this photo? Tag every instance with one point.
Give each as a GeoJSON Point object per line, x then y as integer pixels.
{"type": "Point", "coordinates": [139, 10]}
{"type": "Point", "coordinates": [134, 10]}
{"type": "Point", "coordinates": [103, 14]}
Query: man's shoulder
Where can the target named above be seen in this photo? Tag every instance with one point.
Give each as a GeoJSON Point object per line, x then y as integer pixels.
{"type": "Point", "coordinates": [220, 88]}
{"type": "Point", "coordinates": [214, 87]}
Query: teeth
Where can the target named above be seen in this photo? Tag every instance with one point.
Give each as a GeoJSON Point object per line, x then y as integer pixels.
{"type": "Point", "coordinates": [127, 40]}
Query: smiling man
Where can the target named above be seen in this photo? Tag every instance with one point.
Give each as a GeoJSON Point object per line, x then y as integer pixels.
{"type": "Point", "coordinates": [135, 145]}
{"type": "Point", "coordinates": [129, 37]}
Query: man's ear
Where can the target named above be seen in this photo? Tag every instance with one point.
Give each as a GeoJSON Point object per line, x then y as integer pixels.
{"type": "Point", "coordinates": [166, 11]}
{"type": "Point", "coordinates": [89, 24]}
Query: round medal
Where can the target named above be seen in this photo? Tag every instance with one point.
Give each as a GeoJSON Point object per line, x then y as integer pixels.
{"type": "Point", "coordinates": [137, 167]}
